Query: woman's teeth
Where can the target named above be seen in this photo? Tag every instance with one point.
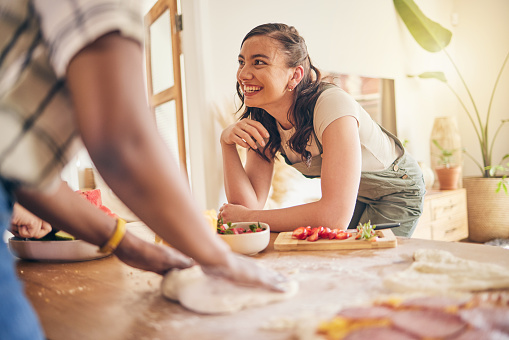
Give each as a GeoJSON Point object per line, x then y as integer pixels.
{"type": "Point", "coordinates": [251, 89]}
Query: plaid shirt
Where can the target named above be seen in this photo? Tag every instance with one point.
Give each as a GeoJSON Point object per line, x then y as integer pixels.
{"type": "Point", "coordinates": [38, 132]}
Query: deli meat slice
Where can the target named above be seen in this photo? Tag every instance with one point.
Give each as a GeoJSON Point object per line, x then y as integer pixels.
{"type": "Point", "coordinates": [363, 313]}
{"type": "Point", "coordinates": [473, 334]}
{"type": "Point", "coordinates": [428, 323]}
{"type": "Point", "coordinates": [494, 318]}
{"type": "Point", "coordinates": [378, 333]}
{"type": "Point", "coordinates": [433, 302]}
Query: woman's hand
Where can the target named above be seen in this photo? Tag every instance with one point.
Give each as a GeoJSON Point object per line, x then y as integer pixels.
{"type": "Point", "coordinates": [246, 133]}
{"type": "Point", "coordinates": [247, 272]}
{"type": "Point", "coordinates": [24, 224]}
{"type": "Point", "coordinates": [234, 213]}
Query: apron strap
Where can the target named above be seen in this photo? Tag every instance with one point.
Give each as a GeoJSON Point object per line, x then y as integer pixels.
{"type": "Point", "coordinates": [396, 140]}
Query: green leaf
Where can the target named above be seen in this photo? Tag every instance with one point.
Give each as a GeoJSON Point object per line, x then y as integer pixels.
{"type": "Point", "coordinates": [493, 171]}
{"type": "Point", "coordinates": [435, 75]}
{"type": "Point", "coordinates": [432, 36]}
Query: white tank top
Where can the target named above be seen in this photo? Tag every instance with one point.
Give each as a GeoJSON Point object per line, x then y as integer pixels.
{"type": "Point", "coordinates": [378, 150]}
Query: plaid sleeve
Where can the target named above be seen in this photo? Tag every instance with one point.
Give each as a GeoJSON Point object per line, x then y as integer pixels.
{"type": "Point", "coordinates": [70, 25]}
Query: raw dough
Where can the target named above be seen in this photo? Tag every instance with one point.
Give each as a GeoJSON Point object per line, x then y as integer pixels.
{"type": "Point", "coordinates": [210, 295]}
{"type": "Point", "coordinates": [438, 271]}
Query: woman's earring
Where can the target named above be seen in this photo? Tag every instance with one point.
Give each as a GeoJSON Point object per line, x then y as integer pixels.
{"type": "Point", "coordinates": [290, 89]}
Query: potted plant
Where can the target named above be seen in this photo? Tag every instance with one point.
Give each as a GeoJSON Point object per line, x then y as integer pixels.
{"type": "Point", "coordinates": [447, 173]}
{"type": "Point", "coordinates": [488, 215]}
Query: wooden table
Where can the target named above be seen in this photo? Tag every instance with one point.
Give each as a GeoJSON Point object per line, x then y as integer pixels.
{"type": "Point", "coordinates": [105, 299]}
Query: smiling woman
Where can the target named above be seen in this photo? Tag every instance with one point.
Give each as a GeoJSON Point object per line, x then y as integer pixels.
{"type": "Point", "coordinates": [321, 131]}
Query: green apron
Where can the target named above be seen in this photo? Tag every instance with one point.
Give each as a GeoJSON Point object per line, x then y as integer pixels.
{"type": "Point", "coordinates": [395, 194]}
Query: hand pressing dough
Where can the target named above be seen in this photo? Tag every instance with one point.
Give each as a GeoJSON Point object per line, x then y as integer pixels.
{"type": "Point", "coordinates": [438, 271]}
{"type": "Point", "coordinates": [211, 295]}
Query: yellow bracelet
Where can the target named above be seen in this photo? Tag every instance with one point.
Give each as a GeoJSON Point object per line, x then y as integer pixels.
{"type": "Point", "coordinates": [115, 239]}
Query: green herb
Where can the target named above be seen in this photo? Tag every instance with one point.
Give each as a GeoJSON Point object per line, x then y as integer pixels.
{"type": "Point", "coordinates": [255, 227]}
{"type": "Point", "coordinates": [222, 230]}
{"type": "Point", "coordinates": [226, 229]}
{"type": "Point", "coordinates": [365, 231]}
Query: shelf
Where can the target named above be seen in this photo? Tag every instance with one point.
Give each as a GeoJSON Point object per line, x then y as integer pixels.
{"type": "Point", "coordinates": [444, 216]}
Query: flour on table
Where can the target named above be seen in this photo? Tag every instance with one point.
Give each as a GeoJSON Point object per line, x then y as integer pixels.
{"type": "Point", "coordinates": [437, 271]}
{"type": "Point", "coordinates": [211, 295]}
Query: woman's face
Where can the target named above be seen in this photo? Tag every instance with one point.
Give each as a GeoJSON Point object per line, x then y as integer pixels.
{"type": "Point", "coordinates": [263, 75]}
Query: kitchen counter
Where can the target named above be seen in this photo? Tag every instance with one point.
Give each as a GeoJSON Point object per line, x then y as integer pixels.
{"type": "Point", "coordinates": [106, 299]}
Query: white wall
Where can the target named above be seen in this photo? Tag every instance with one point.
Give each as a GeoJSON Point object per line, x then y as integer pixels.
{"type": "Point", "coordinates": [481, 44]}
{"type": "Point", "coordinates": [362, 37]}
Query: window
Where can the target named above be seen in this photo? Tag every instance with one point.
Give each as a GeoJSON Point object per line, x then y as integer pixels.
{"type": "Point", "coordinates": [164, 83]}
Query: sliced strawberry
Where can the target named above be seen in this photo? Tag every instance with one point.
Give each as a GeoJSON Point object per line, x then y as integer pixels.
{"type": "Point", "coordinates": [343, 235]}
{"type": "Point", "coordinates": [237, 231]}
{"type": "Point", "coordinates": [314, 234]}
{"type": "Point", "coordinates": [324, 233]}
{"type": "Point", "coordinates": [333, 233]}
{"type": "Point", "coordinates": [300, 233]}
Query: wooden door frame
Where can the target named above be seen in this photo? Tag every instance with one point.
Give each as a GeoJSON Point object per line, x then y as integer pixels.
{"type": "Point", "coordinates": [174, 92]}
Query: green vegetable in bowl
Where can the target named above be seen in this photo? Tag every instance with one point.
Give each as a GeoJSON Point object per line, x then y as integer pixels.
{"type": "Point", "coordinates": [55, 235]}
{"type": "Point", "coordinates": [230, 229]}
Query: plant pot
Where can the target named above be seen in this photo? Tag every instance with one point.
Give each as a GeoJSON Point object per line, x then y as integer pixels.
{"type": "Point", "coordinates": [448, 177]}
{"type": "Point", "coordinates": [488, 211]}
{"type": "Point", "coordinates": [445, 131]}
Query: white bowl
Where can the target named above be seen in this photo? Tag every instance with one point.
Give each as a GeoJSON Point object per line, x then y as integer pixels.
{"type": "Point", "coordinates": [248, 243]}
{"type": "Point", "coordinates": [54, 251]}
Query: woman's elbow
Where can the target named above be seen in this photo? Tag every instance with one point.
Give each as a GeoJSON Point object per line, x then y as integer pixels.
{"type": "Point", "coordinates": [334, 216]}
{"type": "Point", "coordinates": [250, 204]}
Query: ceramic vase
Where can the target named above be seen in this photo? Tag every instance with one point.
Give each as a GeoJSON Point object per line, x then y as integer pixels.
{"type": "Point", "coordinates": [445, 131]}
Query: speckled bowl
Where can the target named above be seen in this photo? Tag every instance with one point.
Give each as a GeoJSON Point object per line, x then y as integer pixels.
{"type": "Point", "coordinates": [248, 243]}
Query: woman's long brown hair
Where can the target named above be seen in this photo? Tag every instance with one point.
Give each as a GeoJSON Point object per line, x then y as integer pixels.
{"type": "Point", "coordinates": [306, 92]}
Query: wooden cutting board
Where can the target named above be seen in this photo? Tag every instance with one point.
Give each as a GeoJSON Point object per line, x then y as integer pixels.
{"type": "Point", "coordinates": [285, 242]}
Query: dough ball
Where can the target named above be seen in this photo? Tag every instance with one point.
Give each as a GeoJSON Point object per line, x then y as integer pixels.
{"type": "Point", "coordinates": [211, 295]}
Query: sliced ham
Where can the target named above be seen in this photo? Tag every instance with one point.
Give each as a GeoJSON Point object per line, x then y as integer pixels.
{"type": "Point", "coordinates": [433, 302]}
{"type": "Point", "coordinates": [487, 318]}
{"type": "Point", "coordinates": [363, 313]}
{"type": "Point", "coordinates": [378, 333]}
{"type": "Point", "coordinates": [472, 334]}
{"type": "Point", "coordinates": [428, 323]}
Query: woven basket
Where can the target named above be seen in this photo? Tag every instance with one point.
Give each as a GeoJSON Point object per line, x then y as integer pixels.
{"type": "Point", "coordinates": [488, 211]}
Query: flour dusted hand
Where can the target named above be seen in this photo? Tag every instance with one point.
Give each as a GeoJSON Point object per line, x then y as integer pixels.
{"type": "Point", "coordinates": [242, 283]}
{"type": "Point", "coordinates": [245, 271]}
